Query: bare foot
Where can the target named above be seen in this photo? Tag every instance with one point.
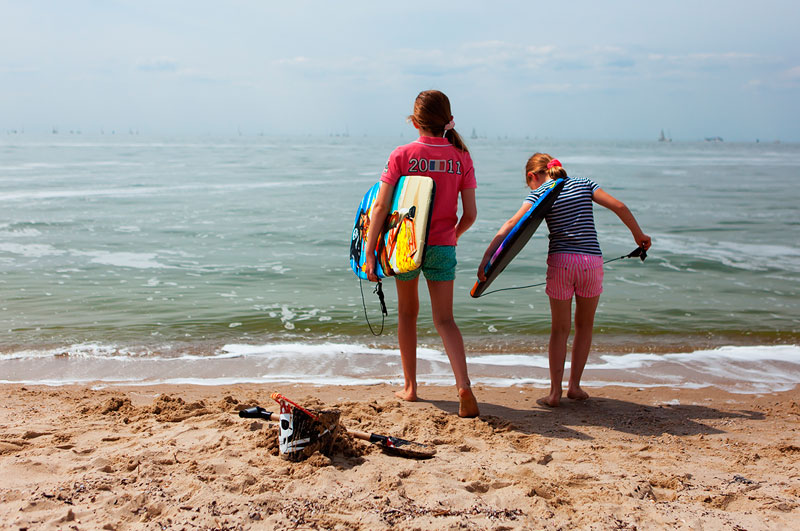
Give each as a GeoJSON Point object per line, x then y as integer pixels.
{"type": "Point", "coordinates": [577, 394]}
{"type": "Point", "coordinates": [409, 395]}
{"type": "Point", "coordinates": [467, 404]}
{"type": "Point", "coordinates": [551, 400]}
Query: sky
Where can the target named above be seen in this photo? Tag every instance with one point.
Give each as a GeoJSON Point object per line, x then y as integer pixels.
{"type": "Point", "coordinates": [614, 70]}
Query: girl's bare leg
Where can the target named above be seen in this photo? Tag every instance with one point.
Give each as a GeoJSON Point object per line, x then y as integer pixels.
{"type": "Point", "coordinates": [561, 322]}
{"type": "Point", "coordinates": [442, 307]}
{"type": "Point", "coordinates": [585, 309]}
{"type": "Point", "coordinates": [407, 312]}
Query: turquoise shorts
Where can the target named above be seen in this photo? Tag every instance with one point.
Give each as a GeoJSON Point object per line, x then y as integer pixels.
{"type": "Point", "coordinates": [439, 264]}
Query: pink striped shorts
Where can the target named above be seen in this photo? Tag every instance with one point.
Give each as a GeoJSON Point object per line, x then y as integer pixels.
{"type": "Point", "coordinates": [574, 274]}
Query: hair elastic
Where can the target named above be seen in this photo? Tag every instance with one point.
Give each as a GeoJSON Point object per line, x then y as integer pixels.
{"type": "Point", "coordinates": [553, 163]}
{"type": "Point", "coordinates": [449, 125]}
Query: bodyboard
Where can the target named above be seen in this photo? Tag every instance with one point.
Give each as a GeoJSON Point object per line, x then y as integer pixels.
{"type": "Point", "coordinates": [516, 239]}
{"type": "Point", "coordinates": [401, 246]}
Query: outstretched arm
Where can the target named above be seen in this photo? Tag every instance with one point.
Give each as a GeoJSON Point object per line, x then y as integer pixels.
{"type": "Point", "coordinates": [501, 234]}
{"type": "Point", "coordinates": [619, 208]}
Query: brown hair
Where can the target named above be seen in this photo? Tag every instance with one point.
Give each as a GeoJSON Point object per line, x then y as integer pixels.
{"type": "Point", "coordinates": [538, 163]}
{"type": "Point", "coordinates": [432, 113]}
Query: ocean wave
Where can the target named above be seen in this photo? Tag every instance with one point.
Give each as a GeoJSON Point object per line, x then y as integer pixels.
{"type": "Point", "coordinates": [124, 259]}
{"type": "Point", "coordinates": [295, 350]}
{"type": "Point", "coordinates": [315, 351]}
{"type": "Point", "coordinates": [758, 368]}
{"type": "Point", "coordinates": [30, 250]}
{"type": "Point", "coordinates": [745, 256]}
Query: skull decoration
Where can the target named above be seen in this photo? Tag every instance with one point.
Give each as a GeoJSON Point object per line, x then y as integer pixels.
{"type": "Point", "coordinates": [286, 432]}
{"type": "Point", "coordinates": [291, 439]}
{"type": "Point", "coordinates": [302, 434]}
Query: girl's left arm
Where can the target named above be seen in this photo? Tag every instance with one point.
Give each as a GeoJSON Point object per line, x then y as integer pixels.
{"type": "Point", "coordinates": [380, 209]}
{"type": "Point", "coordinates": [619, 208]}
{"type": "Point", "coordinates": [499, 237]}
{"type": "Point", "coordinates": [469, 211]}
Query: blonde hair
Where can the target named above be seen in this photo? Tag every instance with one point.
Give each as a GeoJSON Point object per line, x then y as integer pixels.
{"type": "Point", "coordinates": [538, 164]}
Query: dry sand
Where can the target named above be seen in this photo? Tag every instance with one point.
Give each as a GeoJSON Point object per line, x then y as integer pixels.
{"type": "Point", "coordinates": [179, 457]}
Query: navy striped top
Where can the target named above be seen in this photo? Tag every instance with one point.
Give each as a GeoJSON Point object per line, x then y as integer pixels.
{"type": "Point", "coordinates": [571, 220]}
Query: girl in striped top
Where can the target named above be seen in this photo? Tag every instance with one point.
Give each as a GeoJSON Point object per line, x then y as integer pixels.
{"type": "Point", "coordinates": [574, 265]}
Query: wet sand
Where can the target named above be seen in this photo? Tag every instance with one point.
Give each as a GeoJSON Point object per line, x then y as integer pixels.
{"type": "Point", "coordinates": [179, 457]}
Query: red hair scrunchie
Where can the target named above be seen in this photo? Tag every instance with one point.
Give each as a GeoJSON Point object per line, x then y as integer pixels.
{"type": "Point", "coordinates": [553, 163]}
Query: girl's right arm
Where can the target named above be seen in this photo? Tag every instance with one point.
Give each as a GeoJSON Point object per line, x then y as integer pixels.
{"type": "Point", "coordinates": [619, 208]}
{"type": "Point", "coordinates": [380, 209]}
{"type": "Point", "coordinates": [498, 238]}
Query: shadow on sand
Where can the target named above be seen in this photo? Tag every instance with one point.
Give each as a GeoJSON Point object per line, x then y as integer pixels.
{"type": "Point", "coordinates": [618, 415]}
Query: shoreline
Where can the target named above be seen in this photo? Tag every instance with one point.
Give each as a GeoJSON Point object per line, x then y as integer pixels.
{"type": "Point", "coordinates": [178, 456]}
{"type": "Point", "coordinates": [738, 369]}
{"type": "Point", "coordinates": [481, 341]}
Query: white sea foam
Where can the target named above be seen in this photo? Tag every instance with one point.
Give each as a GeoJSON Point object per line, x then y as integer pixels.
{"type": "Point", "coordinates": [19, 233]}
{"type": "Point", "coordinates": [510, 360]}
{"type": "Point", "coordinates": [735, 368]}
{"type": "Point", "coordinates": [728, 354]}
{"type": "Point", "coordinates": [30, 250]}
{"type": "Point", "coordinates": [317, 351]}
{"type": "Point", "coordinates": [782, 353]}
{"type": "Point", "coordinates": [78, 351]}
{"type": "Point", "coordinates": [123, 259]}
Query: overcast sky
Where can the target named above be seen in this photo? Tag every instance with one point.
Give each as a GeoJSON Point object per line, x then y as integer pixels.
{"type": "Point", "coordinates": [578, 70]}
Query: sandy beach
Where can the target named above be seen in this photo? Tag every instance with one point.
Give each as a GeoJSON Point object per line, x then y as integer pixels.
{"type": "Point", "coordinates": [179, 457]}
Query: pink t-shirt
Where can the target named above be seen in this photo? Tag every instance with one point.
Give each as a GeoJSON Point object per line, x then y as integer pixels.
{"type": "Point", "coordinates": [450, 168]}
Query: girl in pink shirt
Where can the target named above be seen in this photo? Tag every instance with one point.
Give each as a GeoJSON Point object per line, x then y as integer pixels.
{"type": "Point", "coordinates": [441, 154]}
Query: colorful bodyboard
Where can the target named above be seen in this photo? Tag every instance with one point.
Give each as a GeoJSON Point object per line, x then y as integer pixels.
{"type": "Point", "coordinates": [516, 239]}
{"type": "Point", "coordinates": [401, 246]}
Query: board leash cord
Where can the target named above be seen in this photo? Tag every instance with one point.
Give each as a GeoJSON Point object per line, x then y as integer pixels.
{"type": "Point", "coordinates": [379, 291]}
{"type": "Point", "coordinates": [639, 252]}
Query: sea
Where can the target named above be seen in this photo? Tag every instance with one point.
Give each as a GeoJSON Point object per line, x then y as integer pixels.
{"type": "Point", "coordinates": [134, 259]}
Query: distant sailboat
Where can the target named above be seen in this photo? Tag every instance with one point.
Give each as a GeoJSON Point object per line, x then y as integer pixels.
{"type": "Point", "coordinates": [474, 134]}
{"type": "Point", "coordinates": [662, 138]}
